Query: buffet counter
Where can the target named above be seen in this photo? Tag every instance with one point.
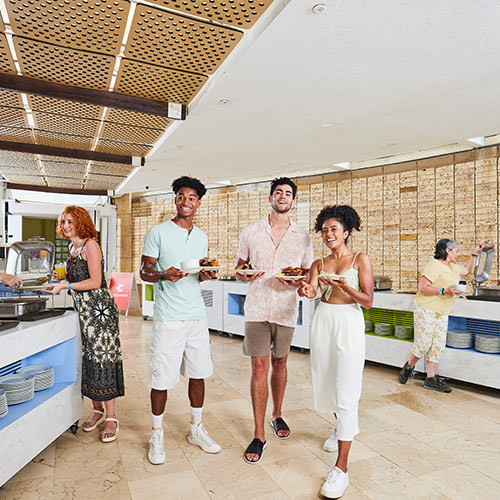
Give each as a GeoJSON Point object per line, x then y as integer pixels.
{"type": "Point", "coordinates": [28, 428]}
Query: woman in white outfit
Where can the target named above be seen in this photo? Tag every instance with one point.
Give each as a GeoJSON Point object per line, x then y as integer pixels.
{"type": "Point", "coordinates": [337, 341]}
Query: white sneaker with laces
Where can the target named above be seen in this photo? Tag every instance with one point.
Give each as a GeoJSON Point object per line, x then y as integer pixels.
{"type": "Point", "coordinates": [335, 484]}
{"type": "Point", "coordinates": [156, 453]}
{"type": "Point", "coordinates": [331, 444]}
{"type": "Point", "coordinates": [199, 436]}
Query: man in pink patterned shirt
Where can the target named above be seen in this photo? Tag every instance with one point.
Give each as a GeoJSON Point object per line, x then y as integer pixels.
{"type": "Point", "coordinates": [271, 305]}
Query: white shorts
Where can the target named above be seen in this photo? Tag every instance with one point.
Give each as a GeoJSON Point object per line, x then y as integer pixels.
{"type": "Point", "coordinates": [179, 347]}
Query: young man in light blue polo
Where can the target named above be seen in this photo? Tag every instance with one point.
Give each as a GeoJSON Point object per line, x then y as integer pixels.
{"type": "Point", "coordinates": [180, 342]}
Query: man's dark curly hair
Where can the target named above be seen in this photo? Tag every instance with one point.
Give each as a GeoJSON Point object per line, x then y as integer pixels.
{"type": "Point", "coordinates": [279, 181]}
{"type": "Point", "coordinates": [189, 182]}
{"type": "Point", "coordinates": [345, 214]}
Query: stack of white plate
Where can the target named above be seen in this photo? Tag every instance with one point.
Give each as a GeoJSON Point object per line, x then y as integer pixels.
{"type": "Point", "coordinates": [382, 328]}
{"type": "Point", "coordinates": [487, 343]}
{"type": "Point", "coordinates": [44, 375]}
{"type": "Point", "coordinates": [18, 388]}
{"type": "Point", "coordinates": [460, 339]}
{"type": "Point", "coordinates": [403, 332]}
{"type": "Point", "coordinates": [368, 326]}
{"type": "Point", "coordinates": [3, 404]}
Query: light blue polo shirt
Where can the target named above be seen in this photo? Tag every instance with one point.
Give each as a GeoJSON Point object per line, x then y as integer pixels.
{"type": "Point", "coordinates": [171, 244]}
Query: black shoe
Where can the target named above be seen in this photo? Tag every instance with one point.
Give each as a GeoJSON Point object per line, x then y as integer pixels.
{"type": "Point", "coordinates": [405, 373]}
{"type": "Point", "coordinates": [436, 383]}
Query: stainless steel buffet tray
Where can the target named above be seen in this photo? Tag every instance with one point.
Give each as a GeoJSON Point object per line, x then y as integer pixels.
{"type": "Point", "coordinates": [382, 283]}
{"type": "Point", "coordinates": [486, 293]}
{"type": "Point", "coordinates": [14, 307]}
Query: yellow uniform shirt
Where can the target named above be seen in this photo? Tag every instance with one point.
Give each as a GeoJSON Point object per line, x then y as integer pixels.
{"type": "Point", "coordinates": [441, 276]}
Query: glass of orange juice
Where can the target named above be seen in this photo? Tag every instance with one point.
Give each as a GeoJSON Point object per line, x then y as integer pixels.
{"type": "Point", "coordinates": [61, 271]}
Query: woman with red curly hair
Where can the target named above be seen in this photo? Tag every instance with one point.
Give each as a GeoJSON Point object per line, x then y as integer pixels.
{"type": "Point", "coordinates": [102, 369]}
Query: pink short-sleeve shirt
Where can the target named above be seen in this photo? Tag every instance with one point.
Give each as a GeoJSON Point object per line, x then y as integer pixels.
{"type": "Point", "coordinates": [267, 298]}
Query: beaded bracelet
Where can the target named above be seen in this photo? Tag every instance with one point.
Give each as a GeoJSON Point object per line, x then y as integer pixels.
{"type": "Point", "coordinates": [441, 291]}
{"type": "Point", "coordinates": [70, 286]}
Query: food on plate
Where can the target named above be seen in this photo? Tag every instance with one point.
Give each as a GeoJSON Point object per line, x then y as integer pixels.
{"type": "Point", "coordinates": [206, 262]}
{"type": "Point", "coordinates": [243, 267]}
{"type": "Point", "coordinates": [291, 271]}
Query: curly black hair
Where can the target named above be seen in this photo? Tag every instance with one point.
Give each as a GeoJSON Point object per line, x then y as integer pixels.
{"type": "Point", "coordinates": [279, 181]}
{"type": "Point", "coordinates": [345, 214]}
{"type": "Point", "coordinates": [189, 182]}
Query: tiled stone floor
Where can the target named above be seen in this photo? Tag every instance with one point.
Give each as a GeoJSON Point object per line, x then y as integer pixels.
{"type": "Point", "coordinates": [413, 443]}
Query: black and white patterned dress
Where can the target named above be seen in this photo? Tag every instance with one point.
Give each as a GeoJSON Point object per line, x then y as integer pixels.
{"type": "Point", "coordinates": [102, 368]}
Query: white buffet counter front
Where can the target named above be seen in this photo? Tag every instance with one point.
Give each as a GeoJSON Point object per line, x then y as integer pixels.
{"type": "Point", "coordinates": [30, 427]}
{"type": "Point", "coordinates": [224, 301]}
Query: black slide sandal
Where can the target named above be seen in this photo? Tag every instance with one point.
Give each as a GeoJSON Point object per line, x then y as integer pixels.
{"type": "Point", "coordinates": [280, 425]}
{"type": "Point", "coordinates": [256, 447]}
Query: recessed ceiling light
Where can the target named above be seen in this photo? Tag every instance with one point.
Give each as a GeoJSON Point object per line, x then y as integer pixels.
{"type": "Point", "coordinates": [477, 140]}
{"type": "Point", "coordinates": [318, 8]}
{"type": "Point", "coordinates": [325, 125]}
{"type": "Point", "coordinates": [391, 144]}
{"type": "Point", "coordinates": [223, 101]}
{"type": "Point", "coordinates": [345, 164]}
{"type": "Point", "coordinates": [226, 182]}
{"type": "Point", "coordinates": [179, 147]}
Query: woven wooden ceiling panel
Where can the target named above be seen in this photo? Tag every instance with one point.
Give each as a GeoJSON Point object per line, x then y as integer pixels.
{"type": "Point", "coordinates": [65, 124]}
{"type": "Point", "coordinates": [122, 148]}
{"type": "Point", "coordinates": [137, 119]}
{"type": "Point", "coordinates": [32, 180]}
{"type": "Point", "coordinates": [14, 117]}
{"type": "Point", "coordinates": [14, 159]}
{"type": "Point", "coordinates": [63, 182]}
{"type": "Point", "coordinates": [12, 99]}
{"type": "Point", "coordinates": [121, 132]}
{"type": "Point", "coordinates": [108, 184]}
{"type": "Point", "coordinates": [91, 25]}
{"type": "Point", "coordinates": [110, 168]}
{"type": "Point", "coordinates": [63, 107]}
{"type": "Point", "coordinates": [61, 159]}
{"type": "Point", "coordinates": [63, 140]}
{"type": "Point", "coordinates": [63, 169]}
{"type": "Point", "coordinates": [63, 65]}
{"type": "Point", "coordinates": [16, 134]}
{"type": "Point", "coordinates": [241, 13]}
{"type": "Point", "coordinates": [178, 42]}
{"type": "Point", "coordinates": [2, 25]}
{"type": "Point", "coordinates": [31, 170]}
{"type": "Point", "coordinates": [155, 82]}
{"type": "Point", "coordinates": [6, 61]}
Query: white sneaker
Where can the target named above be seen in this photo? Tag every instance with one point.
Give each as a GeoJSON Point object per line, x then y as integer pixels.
{"type": "Point", "coordinates": [199, 436]}
{"type": "Point", "coordinates": [335, 484]}
{"type": "Point", "coordinates": [331, 444]}
{"type": "Point", "coordinates": [156, 453]}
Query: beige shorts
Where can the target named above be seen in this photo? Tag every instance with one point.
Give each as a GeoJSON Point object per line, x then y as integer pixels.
{"type": "Point", "coordinates": [260, 336]}
{"type": "Point", "coordinates": [179, 348]}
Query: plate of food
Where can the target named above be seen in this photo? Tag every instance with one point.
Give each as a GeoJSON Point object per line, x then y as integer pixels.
{"type": "Point", "coordinates": [290, 273]}
{"type": "Point", "coordinates": [330, 276]}
{"type": "Point", "coordinates": [247, 269]}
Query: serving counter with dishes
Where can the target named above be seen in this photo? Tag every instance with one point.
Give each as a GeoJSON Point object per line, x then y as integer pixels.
{"type": "Point", "coordinates": [40, 361]}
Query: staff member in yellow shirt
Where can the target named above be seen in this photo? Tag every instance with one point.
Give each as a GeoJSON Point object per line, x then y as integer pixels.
{"type": "Point", "coordinates": [433, 304]}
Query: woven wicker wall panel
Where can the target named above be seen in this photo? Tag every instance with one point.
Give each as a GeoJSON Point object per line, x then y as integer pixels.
{"type": "Point", "coordinates": [155, 82]}
{"type": "Point", "coordinates": [6, 61]}
{"type": "Point", "coordinates": [137, 119]}
{"type": "Point", "coordinates": [59, 123]}
{"type": "Point", "coordinates": [110, 168]}
{"type": "Point", "coordinates": [178, 42]}
{"type": "Point", "coordinates": [63, 107]}
{"type": "Point", "coordinates": [64, 65]}
{"type": "Point", "coordinates": [15, 159]}
{"type": "Point", "coordinates": [14, 117]}
{"type": "Point", "coordinates": [16, 134]}
{"type": "Point", "coordinates": [12, 99]}
{"type": "Point", "coordinates": [56, 140]}
{"type": "Point", "coordinates": [122, 148]}
{"type": "Point", "coordinates": [91, 25]}
{"type": "Point", "coordinates": [121, 132]}
{"type": "Point", "coordinates": [241, 13]}
{"type": "Point", "coordinates": [32, 180]}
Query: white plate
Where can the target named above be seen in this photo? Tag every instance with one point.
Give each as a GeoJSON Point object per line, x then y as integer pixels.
{"type": "Point", "coordinates": [193, 270]}
{"type": "Point", "coordinates": [288, 278]}
{"type": "Point", "coordinates": [249, 271]}
{"type": "Point", "coordinates": [210, 268]}
{"type": "Point", "coordinates": [334, 277]}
